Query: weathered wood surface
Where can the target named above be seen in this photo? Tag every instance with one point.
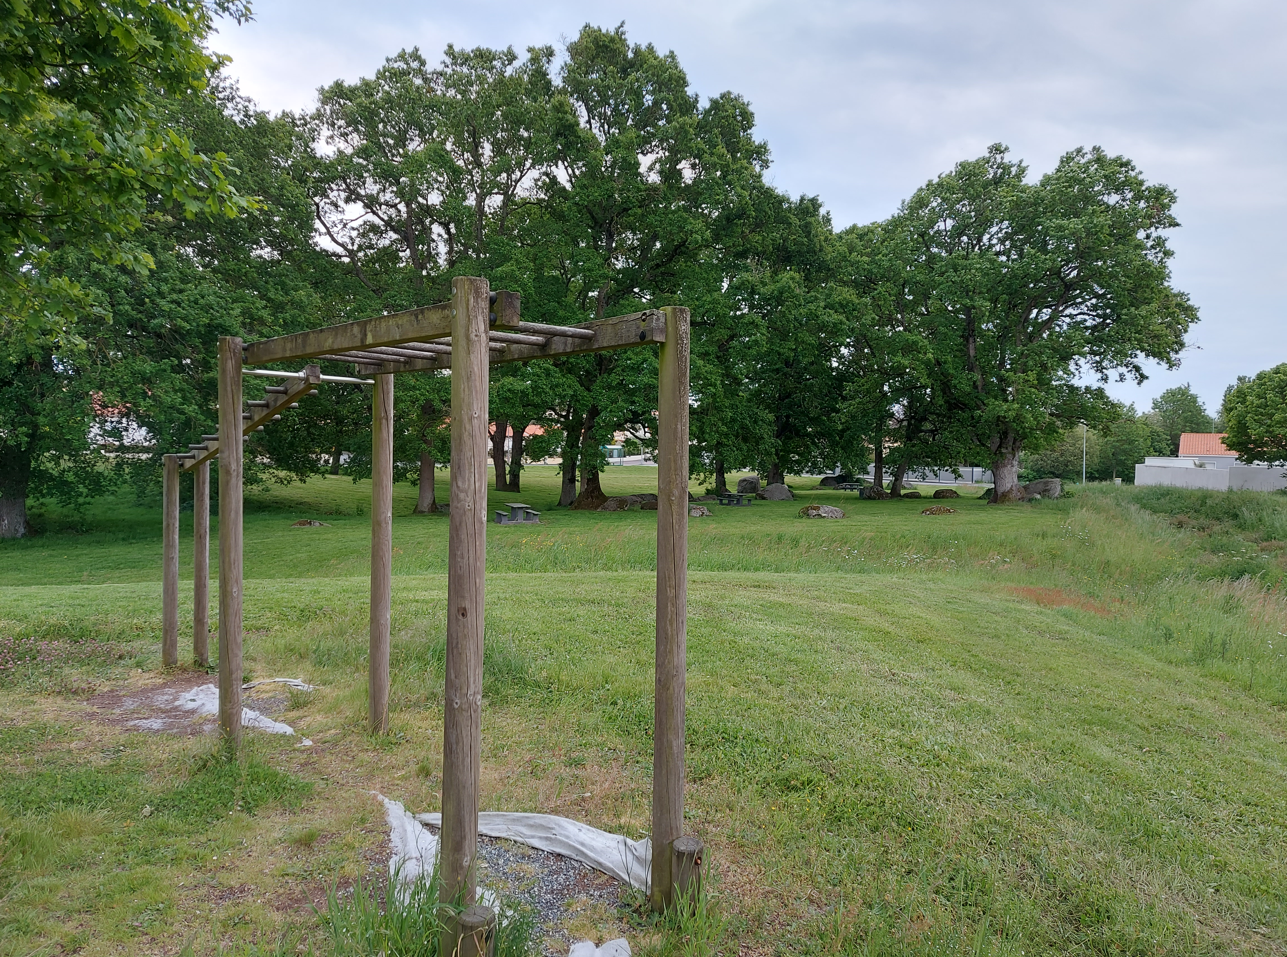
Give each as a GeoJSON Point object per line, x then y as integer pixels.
{"type": "Point", "coordinates": [427, 322]}
{"type": "Point", "coordinates": [505, 309]}
{"type": "Point", "coordinates": [672, 602]}
{"type": "Point", "coordinates": [381, 551]}
{"type": "Point", "coordinates": [201, 565]}
{"type": "Point", "coordinates": [467, 538]}
{"type": "Point", "coordinates": [470, 933]}
{"type": "Point", "coordinates": [686, 868]}
{"type": "Point", "coordinates": [230, 531]}
{"type": "Point", "coordinates": [262, 414]}
{"type": "Point", "coordinates": [619, 332]}
{"type": "Point", "coordinates": [544, 329]}
{"type": "Point", "coordinates": [170, 561]}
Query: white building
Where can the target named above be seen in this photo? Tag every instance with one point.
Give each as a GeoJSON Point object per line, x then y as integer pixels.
{"type": "Point", "coordinates": [1204, 462]}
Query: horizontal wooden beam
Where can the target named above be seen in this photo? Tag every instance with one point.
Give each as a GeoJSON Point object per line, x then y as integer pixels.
{"type": "Point", "coordinates": [620, 332]}
{"type": "Point", "coordinates": [258, 417]}
{"type": "Point", "coordinates": [428, 322]}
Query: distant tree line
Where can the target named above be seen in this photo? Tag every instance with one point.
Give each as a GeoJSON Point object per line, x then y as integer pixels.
{"type": "Point", "coordinates": [976, 325]}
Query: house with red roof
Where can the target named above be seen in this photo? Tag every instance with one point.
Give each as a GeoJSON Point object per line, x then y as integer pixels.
{"type": "Point", "coordinates": [1205, 462]}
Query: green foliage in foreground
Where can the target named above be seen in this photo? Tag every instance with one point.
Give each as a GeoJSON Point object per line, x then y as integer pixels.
{"type": "Point", "coordinates": [1049, 729]}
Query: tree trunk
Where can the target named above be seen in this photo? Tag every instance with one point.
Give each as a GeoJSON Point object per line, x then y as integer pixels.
{"type": "Point", "coordinates": [896, 486]}
{"type": "Point", "coordinates": [15, 477]}
{"type": "Point", "coordinates": [571, 448]}
{"type": "Point", "coordinates": [426, 503]}
{"type": "Point", "coordinates": [591, 495]}
{"type": "Point", "coordinates": [498, 454]}
{"type": "Point", "coordinates": [516, 458]}
{"type": "Point", "coordinates": [878, 462]}
{"type": "Point", "coordinates": [1005, 469]}
{"type": "Point", "coordinates": [721, 482]}
{"type": "Point", "coordinates": [775, 476]}
{"type": "Point", "coordinates": [335, 460]}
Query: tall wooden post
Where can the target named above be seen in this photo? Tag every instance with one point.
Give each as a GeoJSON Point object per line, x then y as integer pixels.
{"type": "Point", "coordinates": [230, 459]}
{"type": "Point", "coordinates": [467, 539]}
{"type": "Point", "coordinates": [381, 549]}
{"type": "Point", "coordinates": [170, 561]}
{"type": "Point", "coordinates": [672, 604]}
{"type": "Point", "coordinates": [201, 565]}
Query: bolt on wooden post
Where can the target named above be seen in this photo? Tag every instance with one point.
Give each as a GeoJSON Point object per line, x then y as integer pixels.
{"type": "Point", "coordinates": [201, 565]}
{"type": "Point", "coordinates": [672, 603]}
{"type": "Point", "coordinates": [381, 550]}
{"type": "Point", "coordinates": [170, 561]}
{"type": "Point", "coordinates": [230, 538]}
{"type": "Point", "coordinates": [467, 538]}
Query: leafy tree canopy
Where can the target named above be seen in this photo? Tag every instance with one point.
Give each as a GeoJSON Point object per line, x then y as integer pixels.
{"type": "Point", "coordinates": [1179, 410]}
{"type": "Point", "coordinates": [1255, 417]}
{"type": "Point", "coordinates": [84, 146]}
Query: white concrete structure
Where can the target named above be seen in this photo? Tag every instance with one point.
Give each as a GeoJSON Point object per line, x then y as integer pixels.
{"type": "Point", "coordinates": [1204, 462]}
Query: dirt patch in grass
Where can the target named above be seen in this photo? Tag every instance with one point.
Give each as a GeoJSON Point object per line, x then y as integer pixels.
{"type": "Point", "coordinates": [1058, 598]}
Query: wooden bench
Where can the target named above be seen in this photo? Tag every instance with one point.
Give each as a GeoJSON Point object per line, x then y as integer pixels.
{"type": "Point", "coordinates": [734, 498]}
{"type": "Point", "coordinates": [519, 514]}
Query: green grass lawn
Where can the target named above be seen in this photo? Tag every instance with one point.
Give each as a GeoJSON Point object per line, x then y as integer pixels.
{"type": "Point", "coordinates": [1048, 728]}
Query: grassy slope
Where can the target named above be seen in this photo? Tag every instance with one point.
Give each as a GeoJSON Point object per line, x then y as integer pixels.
{"type": "Point", "coordinates": [1044, 728]}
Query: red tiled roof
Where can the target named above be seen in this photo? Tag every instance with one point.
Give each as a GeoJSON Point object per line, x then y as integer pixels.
{"type": "Point", "coordinates": [1203, 443]}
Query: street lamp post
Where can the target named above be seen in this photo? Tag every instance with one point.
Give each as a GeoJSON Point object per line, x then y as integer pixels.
{"type": "Point", "coordinates": [1083, 453]}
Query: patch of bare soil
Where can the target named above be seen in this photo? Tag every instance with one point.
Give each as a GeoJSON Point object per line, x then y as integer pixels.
{"type": "Point", "coordinates": [143, 704]}
{"type": "Point", "coordinates": [1058, 598]}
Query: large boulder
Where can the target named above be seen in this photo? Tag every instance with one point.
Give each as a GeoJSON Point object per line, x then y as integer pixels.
{"type": "Point", "coordinates": [648, 505]}
{"type": "Point", "coordinates": [987, 494]}
{"type": "Point", "coordinates": [776, 492]}
{"type": "Point", "coordinates": [749, 485]}
{"type": "Point", "coordinates": [829, 481]}
{"type": "Point", "coordinates": [873, 492]}
{"type": "Point", "coordinates": [619, 503]}
{"type": "Point", "coordinates": [946, 493]}
{"type": "Point", "coordinates": [912, 494]}
{"type": "Point", "coordinates": [700, 511]}
{"type": "Point", "coordinates": [1044, 488]}
{"type": "Point", "coordinates": [821, 511]}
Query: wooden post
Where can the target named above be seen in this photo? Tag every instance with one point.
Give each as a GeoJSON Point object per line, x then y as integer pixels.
{"type": "Point", "coordinates": [170, 561]}
{"type": "Point", "coordinates": [381, 550]}
{"type": "Point", "coordinates": [467, 538]}
{"type": "Point", "coordinates": [672, 603]}
{"type": "Point", "coordinates": [201, 565]}
{"type": "Point", "coordinates": [471, 933]}
{"type": "Point", "coordinates": [686, 870]}
{"type": "Point", "coordinates": [230, 458]}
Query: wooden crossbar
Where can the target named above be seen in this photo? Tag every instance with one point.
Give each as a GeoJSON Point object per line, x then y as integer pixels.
{"type": "Point", "coordinates": [619, 332]}
{"type": "Point", "coordinates": [260, 416]}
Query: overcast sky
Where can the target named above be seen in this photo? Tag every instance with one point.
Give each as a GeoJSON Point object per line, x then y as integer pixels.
{"type": "Point", "coordinates": [861, 102]}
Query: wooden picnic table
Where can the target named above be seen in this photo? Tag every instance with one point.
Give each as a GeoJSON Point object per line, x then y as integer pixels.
{"type": "Point", "coordinates": [849, 487]}
{"type": "Point", "coordinates": [519, 514]}
{"type": "Point", "coordinates": [734, 498]}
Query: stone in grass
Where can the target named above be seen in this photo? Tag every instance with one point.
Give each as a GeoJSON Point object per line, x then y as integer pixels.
{"type": "Point", "coordinates": [938, 510]}
{"type": "Point", "coordinates": [946, 493]}
{"type": "Point", "coordinates": [619, 503]}
{"type": "Point", "coordinates": [987, 493]}
{"type": "Point", "coordinates": [1043, 488]}
{"type": "Point", "coordinates": [749, 485]}
{"type": "Point", "coordinates": [912, 494]}
{"type": "Point", "coordinates": [700, 511]}
{"type": "Point", "coordinates": [309, 523]}
{"type": "Point", "coordinates": [822, 511]}
{"type": "Point", "coordinates": [648, 505]}
{"type": "Point", "coordinates": [873, 492]}
{"type": "Point", "coordinates": [777, 492]}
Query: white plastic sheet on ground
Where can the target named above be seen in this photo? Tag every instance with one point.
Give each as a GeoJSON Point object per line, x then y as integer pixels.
{"type": "Point", "coordinates": [613, 948]}
{"type": "Point", "coordinates": [628, 861]}
{"type": "Point", "coordinates": [415, 852]}
{"type": "Point", "coordinates": [204, 700]}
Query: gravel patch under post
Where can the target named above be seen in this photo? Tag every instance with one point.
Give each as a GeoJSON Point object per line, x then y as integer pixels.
{"type": "Point", "coordinates": [552, 886]}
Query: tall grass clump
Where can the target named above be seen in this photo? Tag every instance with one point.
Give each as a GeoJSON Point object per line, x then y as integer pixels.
{"type": "Point", "coordinates": [401, 918]}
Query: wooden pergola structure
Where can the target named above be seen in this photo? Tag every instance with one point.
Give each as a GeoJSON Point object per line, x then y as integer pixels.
{"type": "Point", "coordinates": [467, 335]}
